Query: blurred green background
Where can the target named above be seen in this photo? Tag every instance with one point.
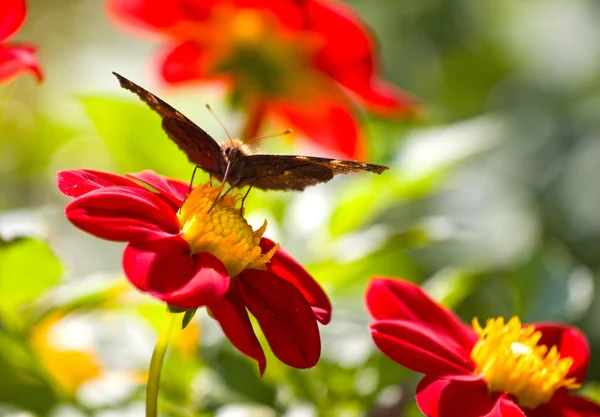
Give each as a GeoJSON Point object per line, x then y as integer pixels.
{"type": "Point", "coordinates": [492, 203]}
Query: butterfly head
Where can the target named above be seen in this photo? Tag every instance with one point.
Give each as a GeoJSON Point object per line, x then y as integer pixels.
{"type": "Point", "coordinates": [234, 150]}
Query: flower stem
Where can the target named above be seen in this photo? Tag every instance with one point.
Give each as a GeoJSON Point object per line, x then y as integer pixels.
{"type": "Point", "coordinates": [253, 122]}
{"type": "Point", "coordinates": [158, 356]}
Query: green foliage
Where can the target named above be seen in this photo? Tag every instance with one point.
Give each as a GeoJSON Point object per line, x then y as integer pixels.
{"type": "Point", "coordinates": [130, 128]}
{"type": "Point", "coordinates": [28, 268]}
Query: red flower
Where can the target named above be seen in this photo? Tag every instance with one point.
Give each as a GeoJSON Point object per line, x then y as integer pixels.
{"type": "Point", "coordinates": [504, 369]}
{"type": "Point", "coordinates": [15, 59]}
{"type": "Point", "coordinates": [192, 254]}
{"type": "Point", "coordinates": [296, 60]}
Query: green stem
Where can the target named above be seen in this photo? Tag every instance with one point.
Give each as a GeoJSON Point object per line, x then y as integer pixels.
{"type": "Point", "coordinates": [158, 356]}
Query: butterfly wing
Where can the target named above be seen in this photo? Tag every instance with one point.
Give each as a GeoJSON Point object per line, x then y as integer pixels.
{"type": "Point", "coordinates": [292, 172]}
{"type": "Point", "coordinates": [200, 148]}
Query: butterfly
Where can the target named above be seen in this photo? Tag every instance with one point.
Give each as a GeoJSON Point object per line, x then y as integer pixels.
{"type": "Point", "coordinates": [234, 162]}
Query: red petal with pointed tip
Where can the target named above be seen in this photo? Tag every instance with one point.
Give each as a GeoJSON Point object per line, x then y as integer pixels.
{"type": "Point", "coordinates": [284, 316]}
{"type": "Point", "coordinates": [354, 67]}
{"type": "Point", "coordinates": [570, 342]}
{"type": "Point", "coordinates": [421, 349]}
{"type": "Point", "coordinates": [123, 214]}
{"type": "Point", "coordinates": [396, 299]}
{"type": "Point", "coordinates": [18, 59]}
{"type": "Point", "coordinates": [286, 267]}
{"type": "Point", "coordinates": [188, 61]}
{"type": "Point", "coordinates": [81, 181]}
{"type": "Point", "coordinates": [175, 277]}
{"type": "Point", "coordinates": [455, 398]}
{"type": "Point", "coordinates": [12, 15]}
{"type": "Point", "coordinates": [231, 314]}
{"type": "Point", "coordinates": [324, 121]}
{"type": "Point", "coordinates": [173, 190]}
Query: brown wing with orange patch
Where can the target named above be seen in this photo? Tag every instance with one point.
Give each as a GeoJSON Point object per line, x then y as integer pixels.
{"type": "Point", "coordinates": [293, 172]}
{"type": "Point", "coordinates": [200, 148]}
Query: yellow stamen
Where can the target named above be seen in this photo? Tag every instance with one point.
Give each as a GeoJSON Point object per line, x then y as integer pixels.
{"type": "Point", "coordinates": [221, 230]}
{"type": "Point", "coordinates": [249, 26]}
{"type": "Point", "coordinates": [510, 360]}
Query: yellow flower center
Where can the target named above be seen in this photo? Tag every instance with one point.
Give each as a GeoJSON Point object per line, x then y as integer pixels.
{"type": "Point", "coordinates": [221, 230]}
{"type": "Point", "coordinates": [264, 57]}
{"type": "Point", "coordinates": [510, 360]}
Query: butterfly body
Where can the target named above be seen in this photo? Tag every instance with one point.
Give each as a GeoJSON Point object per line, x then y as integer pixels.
{"type": "Point", "coordinates": [233, 160]}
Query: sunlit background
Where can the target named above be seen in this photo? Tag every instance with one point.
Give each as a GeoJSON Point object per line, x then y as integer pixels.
{"type": "Point", "coordinates": [491, 202]}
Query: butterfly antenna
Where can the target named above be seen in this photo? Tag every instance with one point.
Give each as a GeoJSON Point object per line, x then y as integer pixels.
{"type": "Point", "coordinates": [220, 122]}
{"type": "Point", "coordinates": [285, 132]}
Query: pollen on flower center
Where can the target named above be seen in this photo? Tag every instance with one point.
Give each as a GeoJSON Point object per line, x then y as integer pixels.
{"type": "Point", "coordinates": [510, 360]}
{"type": "Point", "coordinates": [221, 230]}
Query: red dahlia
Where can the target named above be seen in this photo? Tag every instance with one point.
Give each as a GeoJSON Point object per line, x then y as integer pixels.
{"type": "Point", "coordinates": [190, 253]}
{"type": "Point", "coordinates": [306, 63]}
{"type": "Point", "coordinates": [15, 58]}
{"type": "Point", "coordinates": [504, 369]}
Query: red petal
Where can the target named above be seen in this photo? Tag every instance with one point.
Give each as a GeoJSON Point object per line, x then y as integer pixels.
{"type": "Point", "coordinates": [123, 214]}
{"type": "Point", "coordinates": [396, 299]}
{"type": "Point", "coordinates": [175, 277]}
{"type": "Point", "coordinates": [284, 316]}
{"type": "Point", "coordinates": [505, 408]}
{"type": "Point", "coordinates": [453, 398]}
{"type": "Point", "coordinates": [570, 342]}
{"type": "Point", "coordinates": [188, 62]}
{"type": "Point", "coordinates": [325, 122]}
{"type": "Point", "coordinates": [156, 14]}
{"type": "Point", "coordinates": [287, 13]}
{"type": "Point", "coordinates": [174, 190]}
{"type": "Point", "coordinates": [421, 349]}
{"type": "Point", "coordinates": [231, 314]}
{"type": "Point", "coordinates": [17, 59]}
{"type": "Point", "coordinates": [286, 267]}
{"type": "Point", "coordinates": [12, 15]}
{"type": "Point", "coordinates": [81, 181]}
{"type": "Point", "coordinates": [354, 67]}
{"type": "Point", "coordinates": [565, 405]}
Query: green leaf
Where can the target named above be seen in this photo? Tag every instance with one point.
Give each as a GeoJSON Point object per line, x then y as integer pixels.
{"type": "Point", "coordinates": [22, 384]}
{"type": "Point", "coordinates": [350, 278]}
{"type": "Point", "coordinates": [187, 317]}
{"type": "Point", "coordinates": [27, 269]}
{"type": "Point", "coordinates": [30, 146]}
{"type": "Point", "coordinates": [240, 375]}
{"type": "Point", "coordinates": [424, 161]}
{"type": "Point", "coordinates": [374, 195]}
{"type": "Point", "coordinates": [133, 134]}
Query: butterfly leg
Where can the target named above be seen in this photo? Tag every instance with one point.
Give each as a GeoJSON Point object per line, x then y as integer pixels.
{"type": "Point", "coordinates": [244, 198]}
{"type": "Point", "coordinates": [191, 185]}
{"type": "Point", "coordinates": [223, 182]}
{"type": "Point", "coordinates": [192, 180]}
{"type": "Point", "coordinates": [222, 196]}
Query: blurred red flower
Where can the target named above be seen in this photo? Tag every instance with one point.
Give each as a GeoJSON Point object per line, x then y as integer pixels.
{"type": "Point", "coordinates": [15, 58]}
{"type": "Point", "coordinates": [192, 254]}
{"type": "Point", "coordinates": [503, 369]}
{"type": "Point", "coordinates": [300, 61]}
